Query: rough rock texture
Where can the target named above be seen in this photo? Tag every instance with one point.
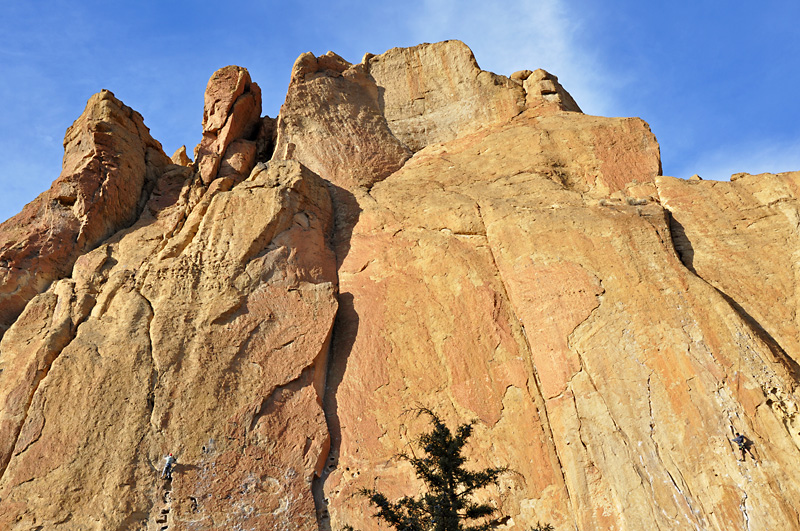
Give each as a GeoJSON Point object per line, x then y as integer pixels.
{"type": "Point", "coordinates": [484, 287]}
{"type": "Point", "coordinates": [425, 234]}
{"type": "Point", "coordinates": [543, 90]}
{"type": "Point", "coordinates": [111, 164]}
{"type": "Point", "coordinates": [741, 238]}
{"type": "Point", "coordinates": [180, 157]}
{"type": "Point", "coordinates": [197, 334]}
{"type": "Point", "coordinates": [718, 227]}
{"type": "Point", "coordinates": [232, 112]}
{"type": "Point", "coordinates": [332, 121]}
{"type": "Point", "coordinates": [436, 92]}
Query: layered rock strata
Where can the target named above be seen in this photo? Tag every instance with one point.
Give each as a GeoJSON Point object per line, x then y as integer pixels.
{"type": "Point", "coordinates": [425, 234]}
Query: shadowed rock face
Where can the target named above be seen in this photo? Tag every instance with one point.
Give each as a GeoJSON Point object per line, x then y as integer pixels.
{"type": "Point", "coordinates": [425, 234]}
{"type": "Point", "coordinates": [110, 166]}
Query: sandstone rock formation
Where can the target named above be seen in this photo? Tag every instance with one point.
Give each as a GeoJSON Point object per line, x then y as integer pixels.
{"type": "Point", "coordinates": [424, 233]}
{"type": "Point", "coordinates": [111, 163]}
{"type": "Point", "coordinates": [180, 157]}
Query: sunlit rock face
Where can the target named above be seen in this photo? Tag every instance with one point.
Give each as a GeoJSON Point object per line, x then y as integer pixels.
{"type": "Point", "coordinates": [111, 164]}
{"type": "Point", "coordinates": [410, 231]}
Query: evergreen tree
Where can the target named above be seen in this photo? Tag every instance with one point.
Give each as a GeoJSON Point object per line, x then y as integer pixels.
{"type": "Point", "coordinates": [448, 505]}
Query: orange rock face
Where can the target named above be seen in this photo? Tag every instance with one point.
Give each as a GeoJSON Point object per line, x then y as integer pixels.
{"type": "Point", "coordinates": [111, 163]}
{"type": "Point", "coordinates": [425, 234]}
{"type": "Point", "coordinates": [173, 358]}
{"type": "Point", "coordinates": [231, 113]}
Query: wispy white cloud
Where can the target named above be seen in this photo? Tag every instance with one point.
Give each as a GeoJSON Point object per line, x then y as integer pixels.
{"type": "Point", "coordinates": [753, 158]}
{"type": "Point", "coordinates": [520, 34]}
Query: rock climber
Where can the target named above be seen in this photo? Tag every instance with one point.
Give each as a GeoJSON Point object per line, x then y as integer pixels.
{"type": "Point", "coordinates": [169, 462]}
{"type": "Point", "coordinates": [744, 445]}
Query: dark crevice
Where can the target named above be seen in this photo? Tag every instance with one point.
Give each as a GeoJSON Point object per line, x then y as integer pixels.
{"type": "Point", "coordinates": [683, 247]}
{"type": "Point", "coordinates": [680, 242]}
{"type": "Point", "coordinates": [346, 213]}
{"type": "Point", "coordinates": [345, 331]}
{"type": "Point", "coordinates": [266, 138]}
{"type": "Point", "coordinates": [789, 364]}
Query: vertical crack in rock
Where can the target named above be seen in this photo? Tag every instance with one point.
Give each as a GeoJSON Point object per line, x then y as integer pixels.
{"type": "Point", "coordinates": [764, 375]}
{"type": "Point", "coordinates": [154, 376]}
{"type": "Point", "coordinates": [539, 399]}
{"type": "Point", "coordinates": [341, 232]}
{"type": "Point", "coordinates": [680, 241]}
{"type": "Point", "coordinates": [743, 507]}
{"type": "Point", "coordinates": [150, 512]}
{"type": "Point", "coordinates": [687, 498]}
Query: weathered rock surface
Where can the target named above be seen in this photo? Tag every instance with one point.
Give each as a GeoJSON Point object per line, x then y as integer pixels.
{"type": "Point", "coordinates": [436, 92]}
{"type": "Point", "coordinates": [332, 121]}
{"type": "Point", "coordinates": [210, 343]}
{"type": "Point", "coordinates": [180, 157]}
{"type": "Point", "coordinates": [484, 287]}
{"type": "Point", "coordinates": [425, 234]}
{"type": "Point", "coordinates": [110, 165]}
{"type": "Point", "coordinates": [741, 237]}
{"type": "Point", "coordinates": [543, 90]}
{"type": "Point", "coordinates": [232, 112]}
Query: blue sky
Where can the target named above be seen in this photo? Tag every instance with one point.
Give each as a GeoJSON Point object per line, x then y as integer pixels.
{"type": "Point", "coordinates": [716, 81]}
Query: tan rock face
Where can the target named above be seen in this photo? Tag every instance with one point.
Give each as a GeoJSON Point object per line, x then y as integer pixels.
{"type": "Point", "coordinates": [232, 112]}
{"type": "Point", "coordinates": [543, 90]}
{"type": "Point", "coordinates": [180, 157]}
{"type": "Point", "coordinates": [741, 238]}
{"type": "Point", "coordinates": [111, 164]}
{"type": "Point", "coordinates": [356, 124]}
{"type": "Point", "coordinates": [436, 92]}
{"type": "Point", "coordinates": [210, 344]}
{"type": "Point", "coordinates": [332, 121]}
{"type": "Point", "coordinates": [425, 234]}
{"type": "Point", "coordinates": [485, 287]}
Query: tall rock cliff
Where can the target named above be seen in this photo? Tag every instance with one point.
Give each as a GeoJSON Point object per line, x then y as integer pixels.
{"type": "Point", "coordinates": [409, 231]}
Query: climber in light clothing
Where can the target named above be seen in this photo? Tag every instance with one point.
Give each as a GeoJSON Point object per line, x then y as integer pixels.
{"type": "Point", "coordinates": [169, 462]}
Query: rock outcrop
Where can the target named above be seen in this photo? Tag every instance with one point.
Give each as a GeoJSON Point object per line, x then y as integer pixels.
{"type": "Point", "coordinates": [425, 233]}
{"type": "Point", "coordinates": [211, 344]}
{"type": "Point", "coordinates": [231, 119]}
{"type": "Point", "coordinates": [111, 163]}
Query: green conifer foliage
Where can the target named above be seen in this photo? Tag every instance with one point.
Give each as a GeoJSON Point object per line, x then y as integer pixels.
{"type": "Point", "coordinates": [448, 503]}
